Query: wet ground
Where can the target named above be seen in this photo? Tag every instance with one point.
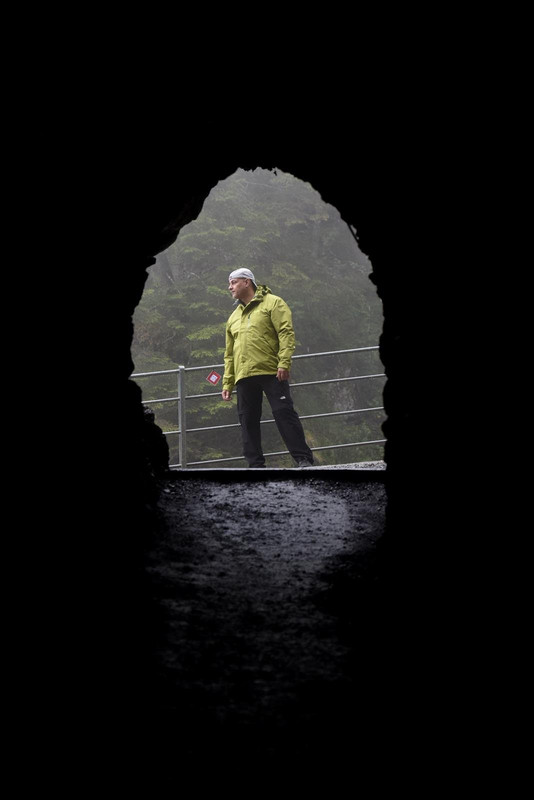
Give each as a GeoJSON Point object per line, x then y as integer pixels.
{"type": "Point", "coordinates": [267, 594]}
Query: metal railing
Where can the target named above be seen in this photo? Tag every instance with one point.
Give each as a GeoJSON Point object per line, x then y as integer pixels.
{"type": "Point", "coordinates": [181, 398]}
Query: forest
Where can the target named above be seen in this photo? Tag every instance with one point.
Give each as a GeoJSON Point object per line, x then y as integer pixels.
{"type": "Point", "coordinates": [279, 227]}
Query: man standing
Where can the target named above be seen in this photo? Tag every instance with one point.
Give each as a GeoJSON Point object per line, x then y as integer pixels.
{"type": "Point", "coordinates": [259, 344]}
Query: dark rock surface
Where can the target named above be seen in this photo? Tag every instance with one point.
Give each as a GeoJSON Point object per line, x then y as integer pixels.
{"type": "Point", "coordinates": [267, 595]}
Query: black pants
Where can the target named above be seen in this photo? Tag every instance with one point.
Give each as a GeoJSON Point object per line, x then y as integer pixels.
{"type": "Point", "coordinates": [249, 403]}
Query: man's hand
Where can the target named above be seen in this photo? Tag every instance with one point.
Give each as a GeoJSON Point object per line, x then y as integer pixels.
{"type": "Point", "coordinates": [283, 374]}
{"type": "Point", "coordinates": [225, 394]}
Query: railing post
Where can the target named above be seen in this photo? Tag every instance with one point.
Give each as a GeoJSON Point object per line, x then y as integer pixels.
{"type": "Point", "coordinates": [182, 424]}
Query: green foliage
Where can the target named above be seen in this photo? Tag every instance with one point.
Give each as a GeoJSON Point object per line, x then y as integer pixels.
{"type": "Point", "coordinates": [300, 247]}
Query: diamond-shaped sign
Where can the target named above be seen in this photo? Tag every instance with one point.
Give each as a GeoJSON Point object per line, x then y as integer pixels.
{"type": "Point", "coordinates": [213, 378]}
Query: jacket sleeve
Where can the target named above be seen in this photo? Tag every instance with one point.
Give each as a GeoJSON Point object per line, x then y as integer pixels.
{"type": "Point", "coordinates": [229, 374]}
{"type": "Point", "coordinates": [283, 324]}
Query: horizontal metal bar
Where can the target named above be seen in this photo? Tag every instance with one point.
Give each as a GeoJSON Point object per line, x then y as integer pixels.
{"type": "Point", "coordinates": [292, 385]}
{"type": "Point", "coordinates": [209, 366]}
{"type": "Point", "coordinates": [205, 394]}
{"type": "Point", "coordinates": [307, 383]}
{"type": "Point", "coordinates": [158, 372]}
{"type": "Point", "coordinates": [187, 397]}
{"type": "Point", "coordinates": [160, 400]}
{"type": "Point", "coordinates": [341, 413]}
{"type": "Point", "coordinates": [338, 380]}
{"type": "Point", "coordinates": [213, 366]}
{"type": "Point", "coordinates": [267, 421]}
{"type": "Point", "coordinates": [220, 427]}
{"type": "Point", "coordinates": [303, 355]}
{"type": "Point", "coordinates": [349, 444]}
{"type": "Point", "coordinates": [281, 453]}
{"type": "Point", "coordinates": [335, 352]}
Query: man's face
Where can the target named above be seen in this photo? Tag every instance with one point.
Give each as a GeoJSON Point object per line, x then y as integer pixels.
{"type": "Point", "coordinates": [238, 287]}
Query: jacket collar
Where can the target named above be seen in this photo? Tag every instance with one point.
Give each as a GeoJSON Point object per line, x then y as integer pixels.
{"type": "Point", "coordinates": [261, 292]}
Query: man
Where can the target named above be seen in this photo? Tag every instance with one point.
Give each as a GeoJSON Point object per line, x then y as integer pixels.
{"type": "Point", "coordinates": [259, 344]}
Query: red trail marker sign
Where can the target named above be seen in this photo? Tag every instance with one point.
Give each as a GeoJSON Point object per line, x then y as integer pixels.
{"type": "Point", "coordinates": [213, 378]}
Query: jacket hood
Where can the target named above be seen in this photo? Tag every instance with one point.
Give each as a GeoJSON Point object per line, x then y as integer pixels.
{"type": "Point", "coordinates": [261, 291]}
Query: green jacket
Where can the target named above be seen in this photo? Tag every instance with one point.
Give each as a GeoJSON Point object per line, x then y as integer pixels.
{"type": "Point", "coordinates": [259, 338]}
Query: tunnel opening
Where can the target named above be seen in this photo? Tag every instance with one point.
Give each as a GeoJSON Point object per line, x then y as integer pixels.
{"type": "Point", "coordinates": [144, 223]}
{"type": "Point", "coordinates": [206, 578]}
{"type": "Point", "coordinates": [279, 226]}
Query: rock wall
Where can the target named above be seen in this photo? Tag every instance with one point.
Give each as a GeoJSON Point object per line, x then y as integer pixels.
{"type": "Point", "coordinates": [137, 211]}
